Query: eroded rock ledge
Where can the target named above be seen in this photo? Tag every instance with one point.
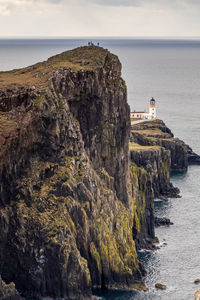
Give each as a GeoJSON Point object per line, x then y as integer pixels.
{"type": "Point", "coordinates": [156, 133]}
{"type": "Point", "coordinates": [154, 154]}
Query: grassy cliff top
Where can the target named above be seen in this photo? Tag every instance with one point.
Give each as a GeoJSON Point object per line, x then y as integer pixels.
{"type": "Point", "coordinates": [157, 133]}
{"type": "Point", "coordinates": [136, 147]}
{"type": "Point", "coordinates": [82, 58]}
{"type": "Point", "coordinates": [152, 129]}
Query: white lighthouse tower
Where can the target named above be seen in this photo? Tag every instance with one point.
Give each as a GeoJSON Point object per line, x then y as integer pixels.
{"type": "Point", "coordinates": [152, 109]}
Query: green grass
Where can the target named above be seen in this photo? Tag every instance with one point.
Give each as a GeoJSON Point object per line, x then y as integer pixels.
{"type": "Point", "coordinates": [82, 58]}
{"type": "Point", "coordinates": [137, 147]}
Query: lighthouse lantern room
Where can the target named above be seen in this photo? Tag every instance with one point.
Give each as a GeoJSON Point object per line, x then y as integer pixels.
{"type": "Point", "coordinates": [152, 108]}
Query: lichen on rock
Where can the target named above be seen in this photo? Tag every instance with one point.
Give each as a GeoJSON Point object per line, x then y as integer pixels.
{"type": "Point", "coordinates": [66, 223]}
{"type": "Point", "coordinates": [76, 198]}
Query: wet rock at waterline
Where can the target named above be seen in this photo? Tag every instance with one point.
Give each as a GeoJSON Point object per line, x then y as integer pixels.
{"type": "Point", "coordinates": [160, 286]}
{"type": "Point", "coordinates": [197, 280]}
{"type": "Point", "coordinates": [162, 222]}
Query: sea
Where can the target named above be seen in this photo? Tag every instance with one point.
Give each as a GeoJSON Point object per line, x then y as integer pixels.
{"type": "Point", "coordinates": [169, 71]}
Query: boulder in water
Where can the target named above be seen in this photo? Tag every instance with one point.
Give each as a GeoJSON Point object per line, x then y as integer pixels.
{"type": "Point", "coordinates": [160, 286]}
{"type": "Point", "coordinates": [162, 222]}
{"type": "Point", "coordinates": [197, 280]}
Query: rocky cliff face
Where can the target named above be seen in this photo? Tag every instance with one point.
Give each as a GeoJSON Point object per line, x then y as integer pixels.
{"type": "Point", "coordinates": [66, 215]}
{"type": "Point", "coordinates": [150, 178]}
{"type": "Point", "coordinates": [8, 291]}
{"type": "Point", "coordinates": [154, 153]}
{"type": "Point", "coordinates": [157, 133]}
{"type": "Point", "coordinates": [76, 193]}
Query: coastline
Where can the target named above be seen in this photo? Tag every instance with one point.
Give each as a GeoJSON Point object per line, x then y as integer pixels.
{"type": "Point", "coordinates": [76, 197]}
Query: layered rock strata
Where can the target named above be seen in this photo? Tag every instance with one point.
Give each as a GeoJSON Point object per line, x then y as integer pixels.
{"type": "Point", "coordinates": [154, 153]}
{"type": "Point", "coordinates": [150, 178]}
{"type": "Point", "coordinates": [156, 133]}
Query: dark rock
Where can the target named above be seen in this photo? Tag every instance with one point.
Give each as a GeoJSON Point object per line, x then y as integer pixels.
{"type": "Point", "coordinates": [172, 192]}
{"type": "Point", "coordinates": [162, 222]}
{"type": "Point", "coordinates": [197, 280]}
{"type": "Point", "coordinates": [157, 133]}
{"type": "Point", "coordinates": [162, 198]}
{"type": "Point", "coordinates": [8, 291]}
{"type": "Point", "coordinates": [156, 240]}
{"type": "Point", "coordinates": [75, 203]}
{"type": "Point", "coordinates": [160, 286]}
{"type": "Point", "coordinates": [66, 222]}
{"type": "Point", "coordinates": [193, 158]}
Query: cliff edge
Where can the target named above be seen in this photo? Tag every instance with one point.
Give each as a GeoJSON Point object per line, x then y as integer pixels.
{"type": "Point", "coordinates": [66, 214]}
{"type": "Point", "coordinates": [77, 187]}
{"type": "Point", "coordinates": [154, 154]}
{"type": "Point", "coordinates": [156, 133]}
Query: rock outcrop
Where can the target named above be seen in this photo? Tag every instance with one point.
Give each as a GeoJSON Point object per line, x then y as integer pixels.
{"type": "Point", "coordinates": [156, 133]}
{"type": "Point", "coordinates": [66, 214]}
{"type": "Point", "coordinates": [162, 222]}
{"type": "Point", "coordinates": [76, 193]}
{"type": "Point", "coordinates": [8, 291]}
{"type": "Point", "coordinates": [153, 154]}
{"type": "Point", "coordinates": [160, 286]}
{"type": "Point", "coordinates": [197, 281]}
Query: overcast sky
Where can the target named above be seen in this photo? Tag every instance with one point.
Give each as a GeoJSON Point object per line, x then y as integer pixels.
{"type": "Point", "coordinates": [99, 18]}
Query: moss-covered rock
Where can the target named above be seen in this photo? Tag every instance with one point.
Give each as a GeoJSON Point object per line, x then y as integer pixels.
{"type": "Point", "coordinates": [157, 133]}
{"type": "Point", "coordinates": [65, 216]}
{"type": "Point", "coordinates": [150, 176]}
{"type": "Point", "coordinates": [8, 291]}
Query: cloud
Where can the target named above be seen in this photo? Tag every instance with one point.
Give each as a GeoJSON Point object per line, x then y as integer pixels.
{"type": "Point", "coordinates": [7, 7]}
{"type": "Point", "coordinates": [4, 10]}
{"type": "Point", "coordinates": [118, 2]}
{"type": "Point", "coordinates": [153, 3]}
{"type": "Point", "coordinates": [99, 17]}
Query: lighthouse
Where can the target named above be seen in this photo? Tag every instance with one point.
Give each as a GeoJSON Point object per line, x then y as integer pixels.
{"type": "Point", "coordinates": [141, 116]}
{"type": "Point", "coordinates": [152, 108]}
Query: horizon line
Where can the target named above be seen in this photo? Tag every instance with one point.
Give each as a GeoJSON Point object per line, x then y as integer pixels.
{"type": "Point", "coordinates": [97, 37]}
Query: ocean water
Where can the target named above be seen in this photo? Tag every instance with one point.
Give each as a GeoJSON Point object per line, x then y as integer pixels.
{"type": "Point", "coordinates": [169, 71]}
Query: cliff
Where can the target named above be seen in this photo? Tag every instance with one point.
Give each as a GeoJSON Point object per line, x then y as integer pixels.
{"type": "Point", "coordinates": [8, 291]}
{"type": "Point", "coordinates": [66, 214]}
{"type": "Point", "coordinates": [156, 133]}
{"type": "Point", "coordinates": [154, 154]}
{"type": "Point", "coordinates": [77, 188]}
